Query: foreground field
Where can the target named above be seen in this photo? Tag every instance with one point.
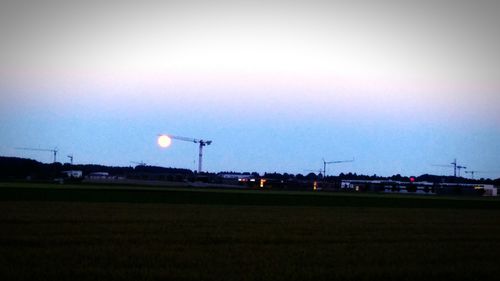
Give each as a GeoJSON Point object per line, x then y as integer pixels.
{"type": "Point", "coordinates": [86, 240]}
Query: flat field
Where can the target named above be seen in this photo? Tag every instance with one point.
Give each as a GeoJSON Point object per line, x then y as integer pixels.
{"type": "Point", "coordinates": [133, 233]}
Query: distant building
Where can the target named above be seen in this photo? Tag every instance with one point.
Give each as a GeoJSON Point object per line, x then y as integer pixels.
{"type": "Point", "coordinates": [489, 189]}
{"type": "Point", "coordinates": [98, 176]}
{"type": "Point", "coordinates": [235, 176]}
{"type": "Point", "coordinates": [74, 174]}
{"type": "Point", "coordinates": [391, 186]}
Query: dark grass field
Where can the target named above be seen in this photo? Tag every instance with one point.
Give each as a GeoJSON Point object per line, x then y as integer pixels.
{"type": "Point", "coordinates": [113, 233]}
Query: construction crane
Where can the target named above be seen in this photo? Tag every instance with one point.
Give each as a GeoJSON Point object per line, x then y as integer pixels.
{"type": "Point", "coordinates": [333, 162]}
{"type": "Point", "coordinates": [460, 168]}
{"type": "Point", "coordinates": [471, 173]}
{"type": "Point", "coordinates": [479, 172]}
{"type": "Point", "coordinates": [54, 151]}
{"type": "Point", "coordinates": [455, 166]}
{"type": "Point", "coordinates": [70, 159]}
{"type": "Point", "coordinates": [201, 143]}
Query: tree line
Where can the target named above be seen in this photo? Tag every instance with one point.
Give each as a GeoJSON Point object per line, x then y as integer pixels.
{"type": "Point", "coordinates": [21, 168]}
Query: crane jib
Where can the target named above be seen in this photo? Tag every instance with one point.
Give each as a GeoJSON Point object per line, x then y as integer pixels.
{"type": "Point", "coordinates": [201, 143]}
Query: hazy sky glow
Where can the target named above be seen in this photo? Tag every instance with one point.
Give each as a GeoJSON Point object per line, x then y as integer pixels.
{"type": "Point", "coordinates": [277, 85]}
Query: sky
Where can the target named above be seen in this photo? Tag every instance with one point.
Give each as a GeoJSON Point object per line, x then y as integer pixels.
{"type": "Point", "coordinates": [400, 86]}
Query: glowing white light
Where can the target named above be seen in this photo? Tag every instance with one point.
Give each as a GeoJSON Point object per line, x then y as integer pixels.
{"type": "Point", "coordinates": [164, 141]}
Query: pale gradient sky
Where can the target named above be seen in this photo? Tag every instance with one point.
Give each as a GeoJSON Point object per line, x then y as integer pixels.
{"type": "Point", "coordinates": [277, 85]}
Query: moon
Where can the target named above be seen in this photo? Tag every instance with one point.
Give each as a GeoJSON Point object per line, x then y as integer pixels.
{"type": "Point", "coordinates": [164, 141]}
